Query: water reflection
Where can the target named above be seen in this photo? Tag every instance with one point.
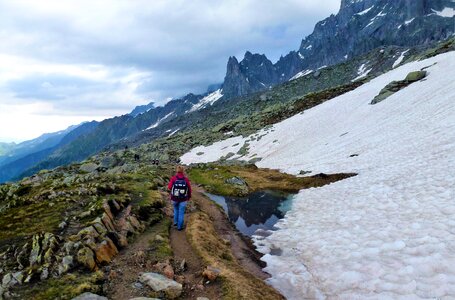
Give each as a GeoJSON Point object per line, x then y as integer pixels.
{"type": "Point", "coordinates": [260, 210]}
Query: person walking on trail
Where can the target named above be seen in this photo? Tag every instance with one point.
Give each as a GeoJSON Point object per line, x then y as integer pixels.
{"type": "Point", "coordinates": [180, 191]}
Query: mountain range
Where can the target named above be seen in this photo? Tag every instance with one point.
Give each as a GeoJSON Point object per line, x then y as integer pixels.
{"type": "Point", "coordinates": [365, 39]}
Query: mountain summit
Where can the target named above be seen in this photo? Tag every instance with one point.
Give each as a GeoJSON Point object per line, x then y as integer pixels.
{"type": "Point", "coordinates": [359, 27]}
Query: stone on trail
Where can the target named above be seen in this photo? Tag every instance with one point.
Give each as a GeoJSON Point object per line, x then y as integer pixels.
{"type": "Point", "coordinates": [160, 283]}
{"type": "Point", "coordinates": [211, 273]}
{"type": "Point", "coordinates": [89, 296]}
{"type": "Point", "coordinates": [144, 298]}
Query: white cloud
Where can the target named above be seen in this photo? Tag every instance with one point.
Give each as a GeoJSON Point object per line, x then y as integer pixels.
{"type": "Point", "coordinates": [167, 48]}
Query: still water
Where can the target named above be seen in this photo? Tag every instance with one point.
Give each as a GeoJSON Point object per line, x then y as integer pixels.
{"type": "Point", "coordinates": [259, 210]}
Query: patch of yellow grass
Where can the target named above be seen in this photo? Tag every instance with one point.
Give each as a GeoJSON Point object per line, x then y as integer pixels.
{"type": "Point", "coordinates": [236, 282]}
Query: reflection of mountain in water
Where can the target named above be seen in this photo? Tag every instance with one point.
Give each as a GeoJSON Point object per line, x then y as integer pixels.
{"type": "Point", "coordinates": [256, 209]}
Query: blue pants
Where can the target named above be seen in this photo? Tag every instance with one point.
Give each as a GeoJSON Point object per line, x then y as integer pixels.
{"type": "Point", "coordinates": [179, 213]}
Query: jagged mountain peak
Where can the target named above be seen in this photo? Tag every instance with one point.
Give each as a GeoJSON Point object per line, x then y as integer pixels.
{"type": "Point", "coordinates": [359, 27]}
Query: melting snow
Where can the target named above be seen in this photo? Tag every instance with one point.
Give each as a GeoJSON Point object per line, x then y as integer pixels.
{"type": "Point", "coordinates": [173, 132]}
{"type": "Point", "coordinates": [208, 100]}
{"type": "Point", "coordinates": [365, 11]}
{"type": "Point", "coordinates": [159, 121]}
{"type": "Point", "coordinates": [409, 21]}
{"type": "Point", "coordinates": [388, 233]}
{"type": "Point", "coordinates": [301, 74]}
{"type": "Point", "coordinates": [400, 59]}
{"type": "Point", "coordinates": [447, 12]}
{"type": "Point", "coordinates": [301, 56]}
{"type": "Point", "coordinates": [362, 72]}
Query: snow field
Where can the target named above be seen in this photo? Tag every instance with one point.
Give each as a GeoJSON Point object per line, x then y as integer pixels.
{"type": "Point", "coordinates": [388, 233]}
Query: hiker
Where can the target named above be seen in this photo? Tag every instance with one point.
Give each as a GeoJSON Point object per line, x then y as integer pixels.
{"type": "Point", "coordinates": [180, 190]}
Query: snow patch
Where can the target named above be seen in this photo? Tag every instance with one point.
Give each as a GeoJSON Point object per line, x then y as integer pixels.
{"type": "Point", "coordinates": [388, 233]}
{"type": "Point", "coordinates": [400, 59]}
{"type": "Point", "coordinates": [173, 132]}
{"type": "Point", "coordinates": [409, 21]}
{"type": "Point", "coordinates": [362, 72]}
{"type": "Point", "coordinates": [159, 121]}
{"type": "Point", "coordinates": [301, 74]}
{"type": "Point", "coordinates": [208, 100]}
{"type": "Point", "coordinates": [365, 11]}
{"type": "Point", "coordinates": [447, 12]}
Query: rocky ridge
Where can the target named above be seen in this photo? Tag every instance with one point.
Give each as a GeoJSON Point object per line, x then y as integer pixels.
{"type": "Point", "coordinates": [356, 29]}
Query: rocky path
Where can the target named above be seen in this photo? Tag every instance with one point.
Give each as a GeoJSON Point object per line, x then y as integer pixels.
{"type": "Point", "coordinates": [194, 285]}
{"type": "Point", "coordinates": [186, 266]}
{"type": "Point", "coordinates": [125, 269]}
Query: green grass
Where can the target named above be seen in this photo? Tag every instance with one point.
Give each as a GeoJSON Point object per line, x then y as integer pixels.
{"type": "Point", "coordinates": [213, 180]}
{"type": "Point", "coordinates": [66, 287]}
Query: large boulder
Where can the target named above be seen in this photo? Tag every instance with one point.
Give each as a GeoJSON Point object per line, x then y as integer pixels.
{"type": "Point", "coordinates": [416, 76]}
{"type": "Point", "coordinates": [160, 283]}
{"type": "Point", "coordinates": [88, 167]}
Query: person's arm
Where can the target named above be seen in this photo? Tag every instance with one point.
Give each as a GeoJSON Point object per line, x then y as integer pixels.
{"type": "Point", "coordinates": [189, 187]}
{"type": "Point", "coordinates": [171, 183]}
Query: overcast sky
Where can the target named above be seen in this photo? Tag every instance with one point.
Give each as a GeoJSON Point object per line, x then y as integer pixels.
{"type": "Point", "coordinates": [64, 62]}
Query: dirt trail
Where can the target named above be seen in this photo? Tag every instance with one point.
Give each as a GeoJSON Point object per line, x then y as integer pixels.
{"type": "Point", "coordinates": [194, 284]}
{"type": "Point", "coordinates": [126, 267]}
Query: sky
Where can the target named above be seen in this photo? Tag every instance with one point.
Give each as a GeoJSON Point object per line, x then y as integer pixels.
{"type": "Point", "coordinates": [65, 62]}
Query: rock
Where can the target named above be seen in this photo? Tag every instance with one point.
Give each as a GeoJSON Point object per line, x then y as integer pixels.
{"type": "Point", "coordinates": [211, 273]}
{"type": "Point", "coordinates": [138, 285]}
{"type": "Point", "coordinates": [302, 172]}
{"type": "Point", "coordinates": [105, 251]}
{"type": "Point", "coordinates": [86, 257]}
{"type": "Point", "coordinates": [89, 296]}
{"type": "Point", "coordinates": [12, 279]}
{"type": "Point", "coordinates": [202, 298]}
{"type": "Point", "coordinates": [416, 76]}
{"type": "Point", "coordinates": [85, 214]}
{"type": "Point", "coordinates": [159, 283]}
{"type": "Point", "coordinates": [168, 271]}
{"type": "Point", "coordinates": [183, 265]}
{"type": "Point", "coordinates": [88, 167]}
{"type": "Point", "coordinates": [66, 265]}
{"type": "Point", "coordinates": [88, 232]}
{"type": "Point", "coordinates": [62, 225]}
{"type": "Point", "coordinates": [35, 254]}
{"type": "Point", "coordinates": [159, 238]}
{"type": "Point", "coordinates": [144, 298]}
{"type": "Point", "coordinates": [44, 274]}
{"type": "Point", "coordinates": [237, 181]}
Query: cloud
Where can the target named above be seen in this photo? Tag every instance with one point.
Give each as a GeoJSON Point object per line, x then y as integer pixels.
{"type": "Point", "coordinates": [86, 55]}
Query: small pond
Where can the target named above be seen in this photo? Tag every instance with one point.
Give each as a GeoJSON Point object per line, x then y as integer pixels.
{"type": "Point", "coordinates": [259, 210]}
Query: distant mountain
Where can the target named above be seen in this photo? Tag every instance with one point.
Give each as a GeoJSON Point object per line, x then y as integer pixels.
{"type": "Point", "coordinates": [45, 141]}
{"type": "Point", "coordinates": [141, 109]}
{"type": "Point", "coordinates": [32, 152]}
{"type": "Point", "coordinates": [114, 130]}
{"type": "Point", "coordinates": [359, 27]}
{"type": "Point", "coordinates": [5, 148]}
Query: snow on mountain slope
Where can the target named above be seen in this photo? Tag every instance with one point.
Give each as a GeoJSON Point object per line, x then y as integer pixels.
{"type": "Point", "coordinates": [208, 100]}
{"type": "Point", "coordinates": [388, 233]}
